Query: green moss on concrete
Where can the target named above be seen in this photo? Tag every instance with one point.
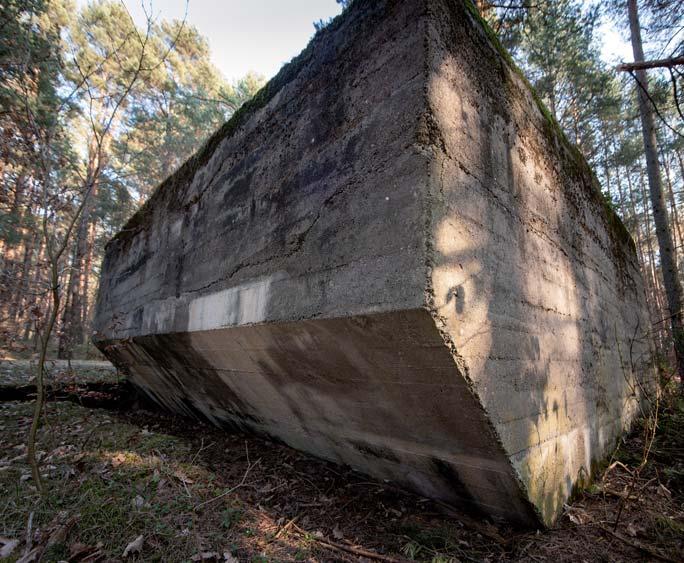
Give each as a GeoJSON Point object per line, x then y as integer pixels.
{"type": "Point", "coordinates": [574, 160]}
{"type": "Point", "coordinates": [184, 175]}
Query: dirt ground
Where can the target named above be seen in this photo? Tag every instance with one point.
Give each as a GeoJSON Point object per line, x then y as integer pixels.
{"type": "Point", "coordinates": [123, 479]}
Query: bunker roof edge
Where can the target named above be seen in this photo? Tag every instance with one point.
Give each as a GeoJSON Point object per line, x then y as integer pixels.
{"type": "Point", "coordinates": [571, 154]}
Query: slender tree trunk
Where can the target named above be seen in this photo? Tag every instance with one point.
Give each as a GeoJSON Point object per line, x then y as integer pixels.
{"type": "Point", "coordinates": [552, 100]}
{"type": "Point", "coordinates": [72, 333]}
{"type": "Point", "coordinates": [168, 156]}
{"type": "Point", "coordinates": [634, 217]}
{"type": "Point", "coordinates": [67, 328]}
{"type": "Point", "coordinates": [677, 231]}
{"type": "Point", "coordinates": [668, 259]}
{"type": "Point", "coordinates": [35, 282]}
{"type": "Point", "coordinates": [651, 296]}
{"type": "Point", "coordinates": [20, 302]}
{"type": "Point", "coordinates": [40, 375]}
{"type": "Point", "coordinates": [623, 205]}
{"type": "Point", "coordinates": [655, 279]}
{"type": "Point", "coordinates": [88, 277]}
{"type": "Point", "coordinates": [606, 168]}
{"type": "Point", "coordinates": [681, 163]}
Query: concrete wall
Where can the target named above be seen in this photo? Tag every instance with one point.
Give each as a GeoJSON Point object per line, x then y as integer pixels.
{"type": "Point", "coordinates": [534, 281]}
{"type": "Point", "coordinates": [288, 216]}
{"type": "Point", "coordinates": [391, 261]}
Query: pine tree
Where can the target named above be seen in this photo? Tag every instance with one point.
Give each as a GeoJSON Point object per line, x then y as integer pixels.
{"type": "Point", "coordinates": [668, 258]}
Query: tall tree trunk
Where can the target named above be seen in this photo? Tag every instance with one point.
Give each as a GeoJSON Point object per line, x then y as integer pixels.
{"type": "Point", "coordinates": [12, 250]}
{"type": "Point", "coordinates": [72, 329]}
{"type": "Point", "coordinates": [681, 163]}
{"type": "Point", "coordinates": [634, 217]}
{"type": "Point", "coordinates": [73, 333]}
{"type": "Point", "coordinates": [88, 278]}
{"type": "Point", "coordinates": [655, 279]}
{"type": "Point", "coordinates": [18, 306]}
{"type": "Point", "coordinates": [677, 231]}
{"type": "Point", "coordinates": [668, 259]}
{"type": "Point", "coordinates": [37, 282]}
{"type": "Point", "coordinates": [651, 294]}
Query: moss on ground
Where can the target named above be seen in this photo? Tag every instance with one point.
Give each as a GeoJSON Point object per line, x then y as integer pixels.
{"type": "Point", "coordinates": [116, 481]}
{"type": "Point", "coordinates": [188, 490]}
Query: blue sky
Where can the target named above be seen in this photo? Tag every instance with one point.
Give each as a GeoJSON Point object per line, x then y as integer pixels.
{"type": "Point", "coordinates": [262, 35]}
{"type": "Point", "coordinates": [244, 35]}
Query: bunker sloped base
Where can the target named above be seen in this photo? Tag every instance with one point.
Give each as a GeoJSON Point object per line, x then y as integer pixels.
{"type": "Point", "coordinates": [380, 393]}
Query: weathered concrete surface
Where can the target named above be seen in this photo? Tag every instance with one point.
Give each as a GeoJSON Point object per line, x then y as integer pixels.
{"type": "Point", "coordinates": [392, 260]}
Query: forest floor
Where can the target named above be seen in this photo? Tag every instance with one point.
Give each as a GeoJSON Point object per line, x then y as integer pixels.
{"type": "Point", "coordinates": [121, 479]}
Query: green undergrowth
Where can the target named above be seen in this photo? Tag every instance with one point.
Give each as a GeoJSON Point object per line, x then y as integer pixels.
{"type": "Point", "coordinates": [668, 446]}
{"type": "Point", "coordinates": [107, 483]}
{"type": "Point", "coordinates": [430, 543]}
{"type": "Point", "coordinates": [191, 491]}
{"type": "Point", "coordinates": [14, 373]}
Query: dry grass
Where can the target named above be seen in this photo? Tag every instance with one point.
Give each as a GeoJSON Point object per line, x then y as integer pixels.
{"type": "Point", "coordinates": [192, 491]}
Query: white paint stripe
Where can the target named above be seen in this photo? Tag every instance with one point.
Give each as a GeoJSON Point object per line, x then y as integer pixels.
{"type": "Point", "coordinates": [239, 305]}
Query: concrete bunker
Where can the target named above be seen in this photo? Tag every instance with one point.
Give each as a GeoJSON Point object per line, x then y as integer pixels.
{"type": "Point", "coordinates": [391, 258]}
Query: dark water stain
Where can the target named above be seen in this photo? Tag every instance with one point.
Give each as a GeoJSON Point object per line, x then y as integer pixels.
{"type": "Point", "coordinates": [450, 476]}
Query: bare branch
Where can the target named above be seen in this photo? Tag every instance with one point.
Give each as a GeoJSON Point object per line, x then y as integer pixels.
{"type": "Point", "coordinates": [655, 106]}
{"type": "Point", "coordinates": [675, 93]}
{"type": "Point", "coordinates": [644, 65]}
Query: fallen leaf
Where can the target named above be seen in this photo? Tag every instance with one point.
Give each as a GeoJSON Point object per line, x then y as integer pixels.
{"type": "Point", "coordinates": [60, 533]}
{"type": "Point", "coordinates": [8, 546]}
{"type": "Point", "coordinates": [577, 515]}
{"type": "Point", "coordinates": [31, 556]}
{"type": "Point", "coordinates": [228, 557]}
{"type": "Point", "coordinates": [206, 556]}
{"type": "Point", "coordinates": [118, 459]}
{"type": "Point", "coordinates": [183, 478]}
{"type": "Point", "coordinates": [134, 547]}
